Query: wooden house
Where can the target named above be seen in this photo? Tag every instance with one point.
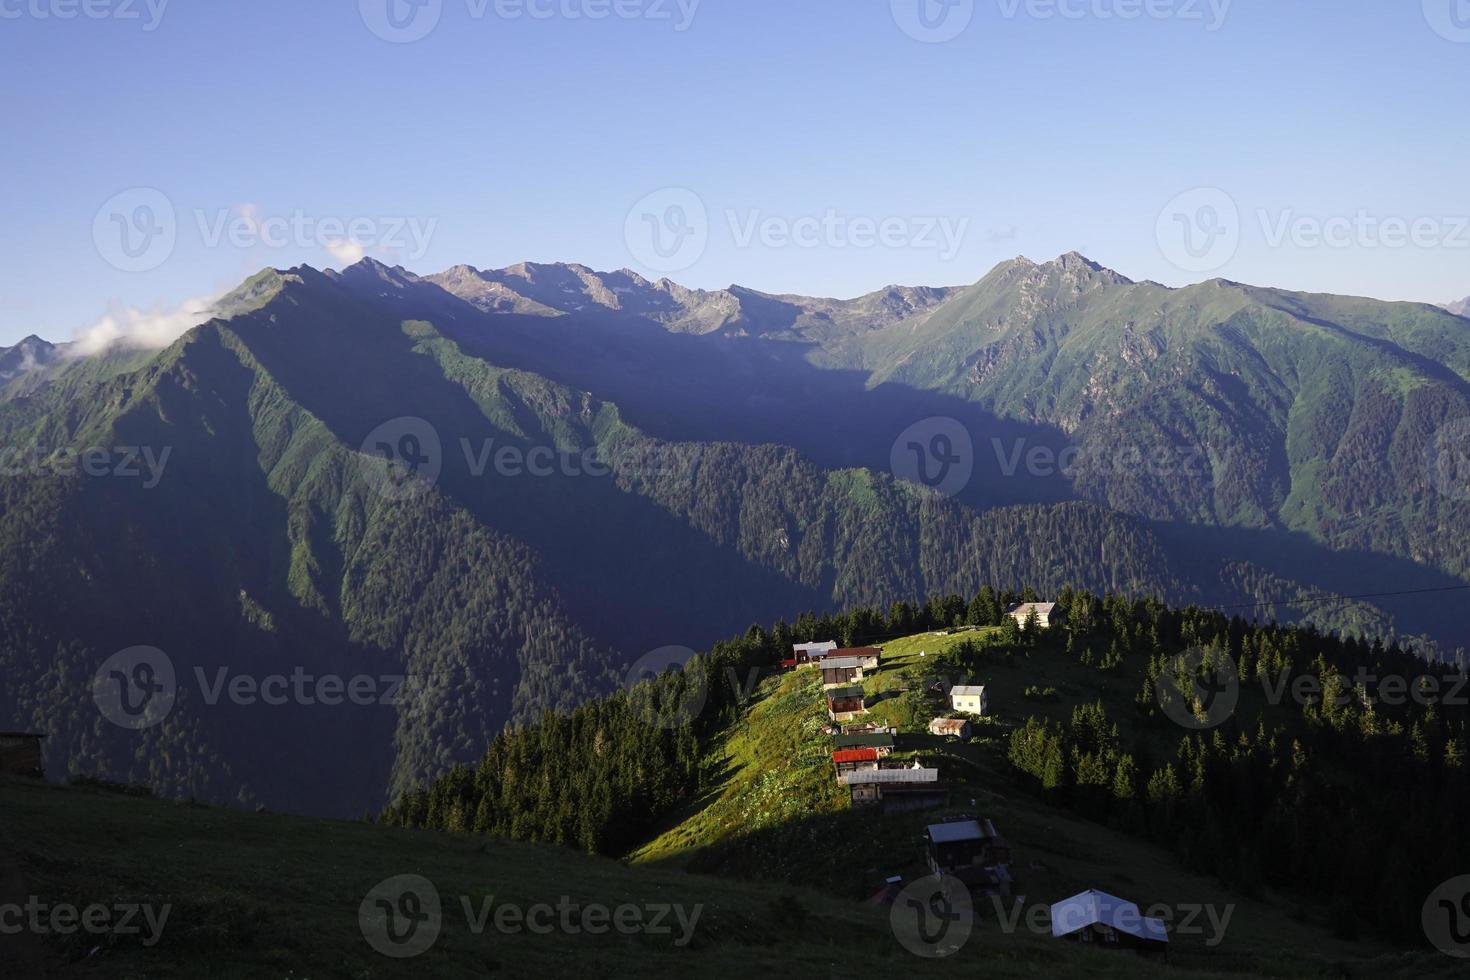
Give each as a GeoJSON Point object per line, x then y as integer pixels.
{"type": "Point", "coordinates": [845, 703]}
{"type": "Point", "coordinates": [913, 797]}
{"type": "Point", "coordinates": [960, 844]}
{"type": "Point", "coordinates": [869, 657]}
{"type": "Point", "coordinates": [841, 671]}
{"type": "Point", "coordinates": [896, 789]}
{"type": "Point", "coordinates": [854, 760]}
{"type": "Point", "coordinates": [880, 742]}
{"type": "Point", "coordinates": [969, 699]}
{"type": "Point", "coordinates": [950, 728]}
{"type": "Point", "coordinates": [1107, 922]}
{"type": "Point", "coordinates": [809, 653]}
{"type": "Point", "coordinates": [20, 754]}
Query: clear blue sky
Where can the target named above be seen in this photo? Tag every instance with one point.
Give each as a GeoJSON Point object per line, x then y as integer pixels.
{"type": "Point", "coordinates": [532, 138]}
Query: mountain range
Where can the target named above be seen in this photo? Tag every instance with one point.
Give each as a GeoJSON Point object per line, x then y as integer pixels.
{"type": "Point", "coordinates": [508, 486]}
{"type": "Point", "coordinates": [29, 355]}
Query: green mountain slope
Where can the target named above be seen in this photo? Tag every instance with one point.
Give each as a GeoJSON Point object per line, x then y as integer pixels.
{"type": "Point", "coordinates": [775, 812]}
{"type": "Point", "coordinates": [1230, 796]}
{"type": "Point", "coordinates": [236, 521]}
{"type": "Point", "coordinates": [1316, 414]}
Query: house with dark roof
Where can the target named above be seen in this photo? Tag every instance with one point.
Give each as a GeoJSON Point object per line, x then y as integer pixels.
{"type": "Point", "coordinates": [20, 754]}
{"type": "Point", "coordinates": [869, 657]}
{"type": "Point", "coordinates": [880, 742]}
{"type": "Point", "coordinates": [1105, 921]}
{"type": "Point", "coordinates": [845, 703]}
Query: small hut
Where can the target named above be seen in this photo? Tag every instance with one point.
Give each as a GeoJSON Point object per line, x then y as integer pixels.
{"type": "Point", "coordinates": [20, 754]}
{"type": "Point", "coordinates": [950, 728]}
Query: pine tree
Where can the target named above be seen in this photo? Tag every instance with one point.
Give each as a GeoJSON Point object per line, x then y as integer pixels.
{"type": "Point", "coordinates": [1125, 779]}
{"type": "Point", "coordinates": [1163, 786]}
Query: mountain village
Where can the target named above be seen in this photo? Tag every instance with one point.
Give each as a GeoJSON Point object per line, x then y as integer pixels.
{"type": "Point", "coordinates": [964, 851]}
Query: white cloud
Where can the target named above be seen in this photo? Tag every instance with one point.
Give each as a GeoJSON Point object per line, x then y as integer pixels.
{"type": "Point", "coordinates": [148, 329]}
{"type": "Point", "coordinates": [346, 251]}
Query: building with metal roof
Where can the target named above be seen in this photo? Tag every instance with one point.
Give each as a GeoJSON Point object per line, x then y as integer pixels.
{"type": "Point", "coordinates": [845, 703]}
{"type": "Point", "coordinates": [882, 742]}
{"type": "Point", "coordinates": [950, 728]}
{"type": "Point", "coordinates": [807, 653]}
{"type": "Point", "coordinates": [853, 760]}
{"type": "Point", "coordinates": [886, 776]}
{"type": "Point", "coordinates": [1108, 921]}
{"type": "Point", "coordinates": [970, 699]}
{"type": "Point", "coordinates": [951, 833]}
{"type": "Point", "coordinates": [839, 663]}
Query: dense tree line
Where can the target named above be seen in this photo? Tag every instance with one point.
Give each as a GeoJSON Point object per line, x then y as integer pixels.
{"type": "Point", "coordinates": [600, 776]}
{"type": "Point", "coordinates": [1346, 799]}
{"type": "Point", "coordinates": [1351, 795]}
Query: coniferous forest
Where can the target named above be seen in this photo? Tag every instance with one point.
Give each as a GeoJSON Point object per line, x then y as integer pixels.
{"type": "Point", "coordinates": [1347, 798]}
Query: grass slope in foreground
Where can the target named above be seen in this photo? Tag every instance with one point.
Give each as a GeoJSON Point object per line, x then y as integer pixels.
{"type": "Point", "coordinates": [263, 895]}
{"type": "Point", "coordinates": [776, 812]}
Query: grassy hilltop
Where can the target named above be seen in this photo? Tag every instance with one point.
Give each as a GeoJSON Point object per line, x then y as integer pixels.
{"type": "Point", "coordinates": [771, 852]}
{"type": "Point", "coordinates": [779, 812]}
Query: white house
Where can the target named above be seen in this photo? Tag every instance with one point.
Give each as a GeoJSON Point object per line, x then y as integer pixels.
{"type": "Point", "coordinates": [1022, 612]}
{"type": "Point", "coordinates": [970, 700]}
